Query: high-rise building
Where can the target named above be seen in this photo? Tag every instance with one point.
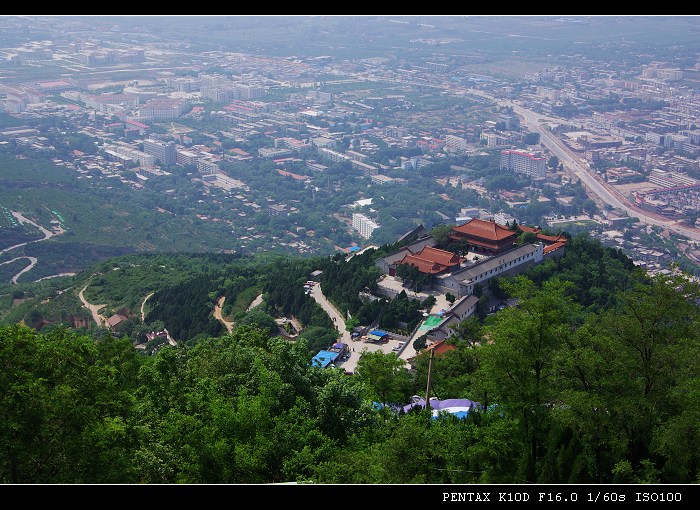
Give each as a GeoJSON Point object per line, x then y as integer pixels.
{"type": "Point", "coordinates": [455, 143]}
{"type": "Point", "coordinates": [523, 163]}
{"type": "Point", "coordinates": [164, 152]}
{"type": "Point", "coordinates": [364, 225]}
{"type": "Point", "coordinates": [126, 154]}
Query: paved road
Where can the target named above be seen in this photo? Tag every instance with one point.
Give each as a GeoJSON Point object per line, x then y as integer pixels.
{"type": "Point", "coordinates": [58, 275]}
{"type": "Point", "coordinates": [357, 346]}
{"type": "Point", "coordinates": [600, 189]}
{"type": "Point", "coordinates": [32, 263]}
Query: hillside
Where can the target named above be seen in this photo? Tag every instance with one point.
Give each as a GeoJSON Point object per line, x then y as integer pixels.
{"type": "Point", "coordinates": [591, 378]}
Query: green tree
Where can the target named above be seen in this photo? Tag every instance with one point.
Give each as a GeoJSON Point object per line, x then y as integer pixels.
{"type": "Point", "coordinates": [351, 323]}
{"type": "Point", "coordinates": [318, 338]}
{"type": "Point", "coordinates": [441, 234]}
{"type": "Point", "coordinates": [384, 377]}
{"type": "Point", "coordinates": [531, 139]}
{"type": "Point", "coordinates": [262, 320]}
{"type": "Point", "coordinates": [517, 364]}
{"type": "Point", "coordinates": [65, 402]}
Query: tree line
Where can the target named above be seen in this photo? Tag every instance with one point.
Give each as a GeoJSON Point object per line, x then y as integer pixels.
{"type": "Point", "coordinates": [565, 395]}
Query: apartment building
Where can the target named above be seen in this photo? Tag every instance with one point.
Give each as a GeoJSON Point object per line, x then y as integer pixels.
{"type": "Point", "coordinates": [455, 143]}
{"type": "Point", "coordinates": [523, 162]}
{"type": "Point", "coordinates": [164, 152]}
{"type": "Point", "coordinates": [364, 225]}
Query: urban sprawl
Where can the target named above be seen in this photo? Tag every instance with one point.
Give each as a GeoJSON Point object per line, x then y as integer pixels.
{"type": "Point", "coordinates": [630, 139]}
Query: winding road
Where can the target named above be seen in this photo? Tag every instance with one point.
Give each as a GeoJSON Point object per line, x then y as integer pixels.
{"type": "Point", "coordinates": [32, 263]}
{"type": "Point", "coordinates": [99, 319]}
{"type": "Point", "coordinates": [217, 314]}
{"type": "Point", "coordinates": [48, 234]}
{"type": "Point", "coordinates": [143, 304]}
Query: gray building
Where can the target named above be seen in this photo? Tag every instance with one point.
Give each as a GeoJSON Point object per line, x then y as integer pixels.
{"type": "Point", "coordinates": [462, 282]}
{"type": "Point", "coordinates": [462, 309]}
{"type": "Point", "coordinates": [164, 152]}
{"type": "Point", "coordinates": [386, 264]}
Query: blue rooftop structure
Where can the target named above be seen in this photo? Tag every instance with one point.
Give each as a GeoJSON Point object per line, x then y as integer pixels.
{"type": "Point", "coordinates": [378, 332]}
{"type": "Point", "coordinates": [323, 359]}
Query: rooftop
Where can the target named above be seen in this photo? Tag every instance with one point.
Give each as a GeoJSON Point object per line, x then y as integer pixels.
{"type": "Point", "coordinates": [478, 269]}
{"type": "Point", "coordinates": [485, 229]}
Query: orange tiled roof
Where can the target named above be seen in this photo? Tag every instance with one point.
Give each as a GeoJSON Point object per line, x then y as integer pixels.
{"type": "Point", "coordinates": [555, 246]}
{"type": "Point", "coordinates": [441, 347]}
{"type": "Point", "coordinates": [529, 229]}
{"type": "Point", "coordinates": [423, 265]}
{"type": "Point", "coordinates": [297, 177]}
{"type": "Point", "coordinates": [552, 239]}
{"type": "Point", "coordinates": [446, 258]}
{"type": "Point", "coordinates": [489, 230]}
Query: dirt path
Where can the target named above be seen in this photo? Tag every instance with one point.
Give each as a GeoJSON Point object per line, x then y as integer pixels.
{"type": "Point", "coordinates": [95, 309]}
{"type": "Point", "coordinates": [257, 301]}
{"type": "Point", "coordinates": [143, 304]}
{"type": "Point", "coordinates": [217, 314]}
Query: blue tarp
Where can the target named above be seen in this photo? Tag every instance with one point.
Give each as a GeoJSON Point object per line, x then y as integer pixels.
{"type": "Point", "coordinates": [459, 407]}
{"type": "Point", "coordinates": [378, 332]}
{"type": "Point", "coordinates": [323, 359]}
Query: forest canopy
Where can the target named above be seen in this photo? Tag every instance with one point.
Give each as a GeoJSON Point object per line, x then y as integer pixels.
{"type": "Point", "coordinates": [569, 391]}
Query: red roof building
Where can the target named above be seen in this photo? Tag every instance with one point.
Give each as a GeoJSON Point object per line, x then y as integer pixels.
{"type": "Point", "coordinates": [294, 176]}
{"type": "Point", "coordinates": [485, 236]}
{"type": "Point", "coordinates": [549, 241]}
{"type": "Point", "coordinates": [432, 261]}
{"type": "Point", "coordinates": [440, 347]}
{"type": "Point", "coordinates": [115, 320]}
{"type": "Point", "coordinates": [554, 247]}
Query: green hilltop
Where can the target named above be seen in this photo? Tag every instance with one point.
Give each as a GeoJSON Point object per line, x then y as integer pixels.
{"type": "Point", "coordinates": [590, 378]}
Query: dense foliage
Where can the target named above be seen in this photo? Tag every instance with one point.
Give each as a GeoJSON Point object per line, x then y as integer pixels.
{"type": "Point", "coordinates": [591, 378]}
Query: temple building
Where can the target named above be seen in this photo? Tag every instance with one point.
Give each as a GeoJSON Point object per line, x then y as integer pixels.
{"type": "Point", "coordinates": [486, 237]}
{"type": "Point", "coordinates": [432, 261]}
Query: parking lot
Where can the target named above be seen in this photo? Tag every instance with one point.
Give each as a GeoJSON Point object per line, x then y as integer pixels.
{"type": "Point", "coordinates": [355, 344]}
